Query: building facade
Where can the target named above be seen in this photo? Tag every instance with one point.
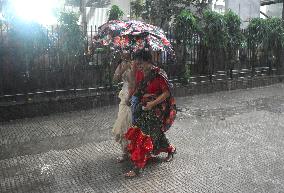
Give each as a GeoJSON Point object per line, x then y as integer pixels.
{"type": "Point", "coordinates": [246, 9]}
{"type": "Point", "coordinates": [273, 10]}
{"type": "Point", "coordinates": [218, 6]}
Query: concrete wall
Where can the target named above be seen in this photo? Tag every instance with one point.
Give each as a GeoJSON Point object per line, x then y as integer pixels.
{"type": "Point", "coordinates": [246, 9]}
{"type": "Point", "coordinates": [274, 10]}
{"type": "Point", "coordinates": [218, 6]}
{"type": "Point", "coordinates": [96, 16]}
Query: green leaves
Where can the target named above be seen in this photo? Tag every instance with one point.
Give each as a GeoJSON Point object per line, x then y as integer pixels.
{"type": "Point", "coordinates": [275, 33]}
{"type": "Point", "coordinates": [115, 13]}
{"type": "Point", "coordinates": [137, 8]}
{"type": "Point", "coordinates": [71, 35]}
{"type": "Point", "coordinates": [30, 38]}
{"type": "Point", "coordinates": [68, 18]}
{"type": "Point", "coordinates": [185, 26]}
{"type": "Point", "coordinates": [255, 32]}
{"type": "Point", "coordinates": [233, 30]}
{"type": "Point", "coordinates": [215, 30]}
{"type": "Point", "coordinates": [266, 32]}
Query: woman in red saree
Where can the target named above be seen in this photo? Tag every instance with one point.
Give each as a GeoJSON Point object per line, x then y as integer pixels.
{"type": "Point", "coordinates": [154, 112]}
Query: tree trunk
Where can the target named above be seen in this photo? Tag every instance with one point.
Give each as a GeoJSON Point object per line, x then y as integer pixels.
{"type": "Point", "coordinates": [83, 15]}
{"type": "Point", "coordinates": [209, 4]}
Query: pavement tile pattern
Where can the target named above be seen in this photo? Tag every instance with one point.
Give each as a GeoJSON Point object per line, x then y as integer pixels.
{"type": "Point", "coordinates": [226, 141]}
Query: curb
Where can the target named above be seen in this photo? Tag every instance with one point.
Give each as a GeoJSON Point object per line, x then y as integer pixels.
{"type": "Point", "coordinates": [46, 103]}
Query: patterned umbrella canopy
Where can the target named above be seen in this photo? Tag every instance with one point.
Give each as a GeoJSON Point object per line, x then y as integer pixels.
{"type": "Point", "coordinates": [133, 36]}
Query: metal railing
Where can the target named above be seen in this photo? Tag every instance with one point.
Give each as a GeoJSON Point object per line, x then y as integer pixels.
{"type": "Point", "coordinates": [35, 68]}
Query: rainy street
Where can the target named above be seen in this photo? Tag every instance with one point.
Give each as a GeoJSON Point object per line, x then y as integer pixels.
{"type": "Point", "coordinates": [90, 88]}
{"type": "Point", "coordinates": [230, 141]}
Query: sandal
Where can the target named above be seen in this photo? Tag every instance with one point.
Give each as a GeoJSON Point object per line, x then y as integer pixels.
{"type": "Point", "coordinates": [133, 173]}
{"type": "Point", "coordinates": [130, 174]}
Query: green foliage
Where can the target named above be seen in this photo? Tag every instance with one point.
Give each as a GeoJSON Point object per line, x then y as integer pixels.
{"type": "Point", "coordinates": [115, 13]}
{"type": "Point", "coordinates": [268, 33]}
{"type": "Point", "coordinates": [29, 38]}
{"type": "Point", "coordinates": [71, 35]}
{"type": "Point", "coordinates": [256, 32]}
{"type": "Point", "coordinates": [160, 12]}
{"type": "Point", "coordinates": [137, 8]}
{"type": "Point", "coordinates": [274, 32]}
{"type": "Point", "coordinates": [185, 25]}
{"type": "Point", "coordinates": [222, 36]}
{"type": "Point", "coordinates": [235, 37]}
{"type": "Point", "coordinates": [68, 18]}
{"type": "Point", "coordinates": [215, 30]}
{"type": "Point", "coordinates": [234, 33]}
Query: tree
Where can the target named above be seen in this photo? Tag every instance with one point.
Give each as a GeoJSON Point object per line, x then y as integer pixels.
{"type": "Point", "coordinates": [255, 35]}
{"type": "Point", "coordinates": [82, 8]}
{"type": "Point", "coordinates": [84, 15]}
{"type": "Point", "coordinates": [185, 26]}
{"type": "Point", "coordinates": [71, 35]}
{"type": "Point", "coordinates": [136, 8]}
{"type": "Point", "coordinates": [158, 12]}
{"type": "Point", "coordinates": [274, 41]}
{"type": "Point", "coordinates": [161, 12]}
{"type": "Point", "coordinates": [201, 6]}
{"type": "Point", "coordinates": [234, 38]}
{"type": "Point", "coordinates": [215, 37]}
{"type": "Point", "coordinates": [115, 13]}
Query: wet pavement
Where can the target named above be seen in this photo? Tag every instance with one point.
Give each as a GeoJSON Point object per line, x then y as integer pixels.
{"type": "Point", "coordinates": [226, 141]}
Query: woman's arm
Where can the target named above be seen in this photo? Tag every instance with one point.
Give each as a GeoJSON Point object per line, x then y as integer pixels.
{"type": "Point", "coordinates": [158, 100]}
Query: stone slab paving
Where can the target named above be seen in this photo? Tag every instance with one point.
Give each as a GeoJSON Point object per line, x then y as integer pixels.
{"type": "Point", "coordinates": [226, 141]}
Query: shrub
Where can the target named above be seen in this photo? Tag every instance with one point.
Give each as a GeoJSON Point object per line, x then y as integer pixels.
{"type": "Point", "coordinates": [115, 13]}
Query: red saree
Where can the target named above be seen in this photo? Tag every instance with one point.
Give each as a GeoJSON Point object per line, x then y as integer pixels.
{"type": "Point", "coordinates": [147, 136]}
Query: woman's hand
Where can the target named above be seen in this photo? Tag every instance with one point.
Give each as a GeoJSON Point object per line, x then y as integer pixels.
{"type": "Point", "coordinates": [158, 100]}
{"type": "Point", "coordinates": [149, 105]}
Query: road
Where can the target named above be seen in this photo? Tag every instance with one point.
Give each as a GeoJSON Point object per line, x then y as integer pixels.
{"type": "Point", "coordinates": [231, 141]}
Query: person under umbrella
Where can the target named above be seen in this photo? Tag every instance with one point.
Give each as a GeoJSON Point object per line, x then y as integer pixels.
{"type": "Point", "coordinates": [154, 112]}
{"type": "Point", "coordinates": [125, 73]}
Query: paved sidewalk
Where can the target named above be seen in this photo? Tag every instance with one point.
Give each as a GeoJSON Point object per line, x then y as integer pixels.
{"type": "Point", "coordinates": [226, 141]}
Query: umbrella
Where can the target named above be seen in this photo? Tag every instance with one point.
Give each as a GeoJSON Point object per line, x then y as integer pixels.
{"type": "Point", "coordinates": [133, 35]}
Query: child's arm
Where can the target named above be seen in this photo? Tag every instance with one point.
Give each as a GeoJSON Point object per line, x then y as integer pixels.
{"type": "Point", "coordinates": [119, 71]}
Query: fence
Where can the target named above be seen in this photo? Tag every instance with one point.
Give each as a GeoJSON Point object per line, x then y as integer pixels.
{"type": "Point", "coordinates": [28, 67]}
